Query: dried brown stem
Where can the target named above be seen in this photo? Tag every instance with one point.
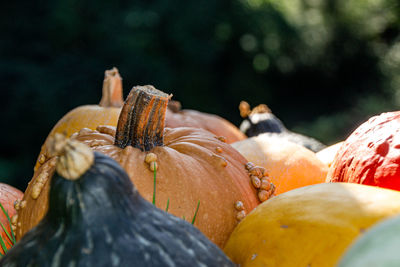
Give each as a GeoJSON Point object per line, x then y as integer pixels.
{"type": "Point", "coordinates": [244, 109]}
{"type": "Point", "coordinates": [142, 119]}
{"type": "Point", "coordinates": [260, 109]}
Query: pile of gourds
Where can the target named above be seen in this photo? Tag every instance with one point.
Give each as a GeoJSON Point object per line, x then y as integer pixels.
{"type": "Point", "coordinates": [142, 182]}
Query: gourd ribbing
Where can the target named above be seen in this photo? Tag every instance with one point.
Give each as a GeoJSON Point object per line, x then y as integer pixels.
{"type": "Point", "coordinates": [142, 119]}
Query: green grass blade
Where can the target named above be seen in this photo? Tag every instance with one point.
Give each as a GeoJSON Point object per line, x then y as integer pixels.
{"type": "Point", "coordinates": [195, 214]}
{"type": "Point", "coordinates": [8, 235]}
{"type": "Point", "coordinates": [166, 209]}
{"type": "Point", "coordinates": [9, 221]}
{"type": "Point", "coordinates": [3, 246]}
{"type": "Point", "coordinates": [183, 217]}
{"type": "Point", "coordinates": [154, 184]}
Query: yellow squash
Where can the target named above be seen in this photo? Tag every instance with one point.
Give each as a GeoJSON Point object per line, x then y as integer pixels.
{"type": "Point", "coordinates": [309, 226]}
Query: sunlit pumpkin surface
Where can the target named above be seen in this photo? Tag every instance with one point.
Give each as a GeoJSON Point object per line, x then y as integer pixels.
{"type": "Point", "coordinates": [309, 226]}
{"type": "Point", "coordinates": [327, 155]}
{"type": "Point", "coordinates": [371, 154]}
{"type": "Point", "coordinates": [289, 165]}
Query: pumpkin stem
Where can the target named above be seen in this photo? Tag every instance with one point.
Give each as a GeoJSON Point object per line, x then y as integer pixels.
{"type": "Point", "coordinates": [142, 119]}
{"type": "Point", "coordinates": [260, 109]}
{"type": "Point", "coordinates": [174, 106]}
{"type": "Point", "coordinates": [244, 109]}
{"type": "Point", "coordinates": [112, 89]}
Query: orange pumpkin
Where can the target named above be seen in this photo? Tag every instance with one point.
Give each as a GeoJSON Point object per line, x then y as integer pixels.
{"type": "Point", "coordinates": [8, 196]}
{"type": "Point", "coordinates": [191, 165]}
{"type": "Point", "coordinates": [91, 116]}
{"type": "Point", "coordinates": [176, 117]}
{"type": "Point", "coordinates": [288, 164]}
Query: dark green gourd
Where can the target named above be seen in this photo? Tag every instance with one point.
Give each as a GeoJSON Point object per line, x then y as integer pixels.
{"type": "Point", "coordinates": [98, 218]}
{"type": "Point", "coordinates": [260, 120]}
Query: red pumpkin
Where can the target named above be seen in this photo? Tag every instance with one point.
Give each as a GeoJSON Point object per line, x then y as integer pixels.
{"type": "Point", "coordinates": [371, 154]}
{"type": "Point", "coordinates": [8, 195]}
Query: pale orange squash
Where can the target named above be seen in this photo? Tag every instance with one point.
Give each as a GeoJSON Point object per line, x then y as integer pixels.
{"type": "Point", "coordinates": [327, 155]}
{"type": "Point", "coordinates": [91, 116]}
{"type": "Point", "coordinates": [288, 165]}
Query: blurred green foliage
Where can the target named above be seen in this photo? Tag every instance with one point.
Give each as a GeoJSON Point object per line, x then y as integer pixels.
{"type": "Point", "coordinates": [322, 67]}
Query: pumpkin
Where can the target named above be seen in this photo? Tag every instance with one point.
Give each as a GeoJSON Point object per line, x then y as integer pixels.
{"type": "Point", "coordinates": [98, 218]}
{"type": "Point", "coordinates": [289, 165]}
{"type": "Point", "coordinates": [260, 120]}
{"type": "Point", "coordinates": [327, 155]}
{"type": "Point", "coordinates": [8, 196]}
{"type": "Point", "coordinates": [191, 165]}
{"type": "Point", "coordinates": [176, 117]}
{"type": "Point", "coordinates": [309, 226]}
{"type": "Point", "coordinates": [371, 154]}
{"type": "Point", "coordinates": [90, 116]}
{"type": "Point", "coordinates": [379, 246]}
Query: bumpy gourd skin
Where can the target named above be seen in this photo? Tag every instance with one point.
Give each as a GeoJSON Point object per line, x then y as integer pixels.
{"type": "Point", "coordinates": [371, 154]}
{"type": "Point", "coordinates": [101, 220]}
{"type": "Point", "coordinates": [8, 196]}
{"type": "Point", "coordinates": [288, 164]}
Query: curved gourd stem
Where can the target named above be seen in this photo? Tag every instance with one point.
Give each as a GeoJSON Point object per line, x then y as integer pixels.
{"type": "Point", "coordinates": [112, 89]}
{"type": "Point", "coordinates": [142, 119]}
{"type": "Point", "coordinates": [74, 158]}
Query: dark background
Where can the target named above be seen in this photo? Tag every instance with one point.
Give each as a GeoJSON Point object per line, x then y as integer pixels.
{"type": "Point", "coordinates": [323, 67]}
